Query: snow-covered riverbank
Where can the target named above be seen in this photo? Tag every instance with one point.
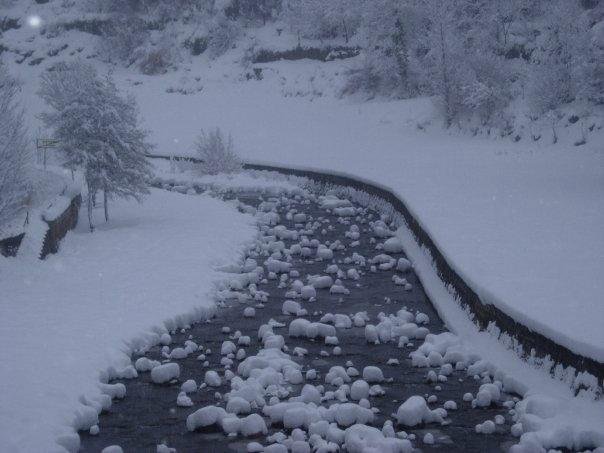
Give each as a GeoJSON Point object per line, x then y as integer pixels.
{"type": "Point", "coordinates": [69, 317]}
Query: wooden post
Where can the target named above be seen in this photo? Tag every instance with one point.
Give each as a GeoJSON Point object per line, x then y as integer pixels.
{"type": "Point", "coordinates": [105, 206]}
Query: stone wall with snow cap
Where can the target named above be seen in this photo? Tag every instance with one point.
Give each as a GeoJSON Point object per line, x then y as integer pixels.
{"type": "Point", "coordinates": [61, 217]}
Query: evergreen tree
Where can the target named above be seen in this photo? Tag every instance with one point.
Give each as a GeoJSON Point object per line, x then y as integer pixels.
{"type": "Point", "coordinates": [98, 130]}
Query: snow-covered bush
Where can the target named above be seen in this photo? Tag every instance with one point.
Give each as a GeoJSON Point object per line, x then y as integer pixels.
{"type": "Point", "coordinates": [317, 19]}
{"type": "Point", "coordinates": [98, 130]}
{"type": "Point", "coordinates": [123, 36]}
{"type": "Point", "coordinates": [593, 72]}
{"type": "Point", "coordinates": [223, 34]}
{"type": "Point", "coordinates": [196, 44]}
{"type": "Point", "coordinates": [15, 157]}
{"type": "Point", "coordinates": [388, 30]}
{"type": "Point", "coordinates": [561, 58]}
{"type": "Point", "coordinates": [217, 153]}
{"type": "Point", "coordinates": [547, 89]}
{"type": "Point", "coordinates": [365, 77]}
{"type": "Point", "coordinates": [375, 75]}
{"type": "Point", "coordinates": [155, 61]}
{"type": "Point", "coordinates": [487, 92]}
{"type": "Point", "coordinates": [253, 10]}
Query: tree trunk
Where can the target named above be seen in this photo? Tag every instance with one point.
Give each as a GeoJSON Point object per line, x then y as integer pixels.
{"type": "Point", "coordinates": [345, 30]}
{"type": "Point", "coordinates": [105, 205]}
{"type": "Point", "coordinates": [446, 87]}
{"type": "Point", "coordinates": [402, 60]}
{"type": "Point", "coordinates": [89, 208]}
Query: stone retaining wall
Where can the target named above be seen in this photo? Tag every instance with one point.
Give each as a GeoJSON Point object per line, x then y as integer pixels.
{"type": "Point", "coordinates": [58, 228]}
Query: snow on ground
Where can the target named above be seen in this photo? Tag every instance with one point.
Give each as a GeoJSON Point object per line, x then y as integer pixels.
{"type": "Point", "coordinates": [522, 223]}
{"type": "Point", "coordinates": [184, 174]}
{"type": "Point", "coordinates": [66, 319]}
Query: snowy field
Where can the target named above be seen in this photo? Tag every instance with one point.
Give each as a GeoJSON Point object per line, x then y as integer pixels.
{"type": "Point", "coordinates": [514, 219]}
{"type": "Point", "coordinates": [151, 266]}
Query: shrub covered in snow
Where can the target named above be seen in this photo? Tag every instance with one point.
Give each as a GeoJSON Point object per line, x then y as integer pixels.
{"type": "Point", "coordinates": [217, 153]}
{"type": "Point", "coordinates": [223, 34]}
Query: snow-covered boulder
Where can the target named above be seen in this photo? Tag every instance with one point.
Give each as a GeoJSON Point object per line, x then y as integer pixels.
{"type": "Point", "coordinates": [372, 374]}
{"type": "Point", "coordinates": [212, 379]}
{"type": "Point", "coordinates": [393, 245]}
{"type": "Point", "coordinates": [415, 411]}
{"type": "Point", "coordinates": [165, 373]}
{"type": "Point", "coordinates": [362, 439]}
{"type": "Point", "coordinates": [206, 416]}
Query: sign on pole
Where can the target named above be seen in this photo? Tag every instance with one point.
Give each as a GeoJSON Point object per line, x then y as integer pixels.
{"type": "Point", "coordinates": [42, 144]}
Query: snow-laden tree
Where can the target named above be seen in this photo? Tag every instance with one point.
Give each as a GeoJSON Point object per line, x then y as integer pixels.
{"type": "Point", "coordinates": [552, 72]}
{"type": "Point", "coordinates": [253, 10]}
{"type": "Point", "coordinates": [318, 19]}
{"type": "Point", "coordinates": [443, 52]}
{"type": "Point", "coordinates": [98, 130]}
{"type": "Point", "coordinates": [222, 34]}
{"type": "Point", "coordinates": [15, 154]}
{"type": "Point", "coordinates": [389, 29]}
{"type": "Point", "coordinates": [217, 153]}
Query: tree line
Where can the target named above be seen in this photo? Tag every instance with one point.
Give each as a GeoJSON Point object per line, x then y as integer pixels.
{"type": "Point", "coordinates": [477, 57]}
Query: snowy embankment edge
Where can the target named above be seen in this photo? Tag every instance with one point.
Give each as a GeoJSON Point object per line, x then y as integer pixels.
{"type": "Point", "coordinates": [121, 368]}
{"type": "Point", "coordinates": [484, 307]}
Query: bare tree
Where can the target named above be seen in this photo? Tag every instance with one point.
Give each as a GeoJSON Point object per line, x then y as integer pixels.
{"type": "Point", "coordinates": [15, 154]}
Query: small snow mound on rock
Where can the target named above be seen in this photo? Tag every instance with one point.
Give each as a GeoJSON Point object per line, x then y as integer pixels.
{"type": "Point", "coordinates": [415, 411]}
{"type": "Point", "coordinates": [393, 245]}
{"type": "Point", "coordinates": [362, 439]}
{"type": "Point", "coordinates": [165, 373]}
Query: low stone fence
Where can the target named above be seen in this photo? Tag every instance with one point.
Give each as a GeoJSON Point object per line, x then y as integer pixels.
{"type": "Point", "coordinates": [60, 225]}
{"type": "Point", "coordinates": [61, 217]}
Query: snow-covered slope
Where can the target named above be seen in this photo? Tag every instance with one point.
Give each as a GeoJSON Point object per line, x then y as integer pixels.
{"type": "Point", "coordinates": [70, 317]}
